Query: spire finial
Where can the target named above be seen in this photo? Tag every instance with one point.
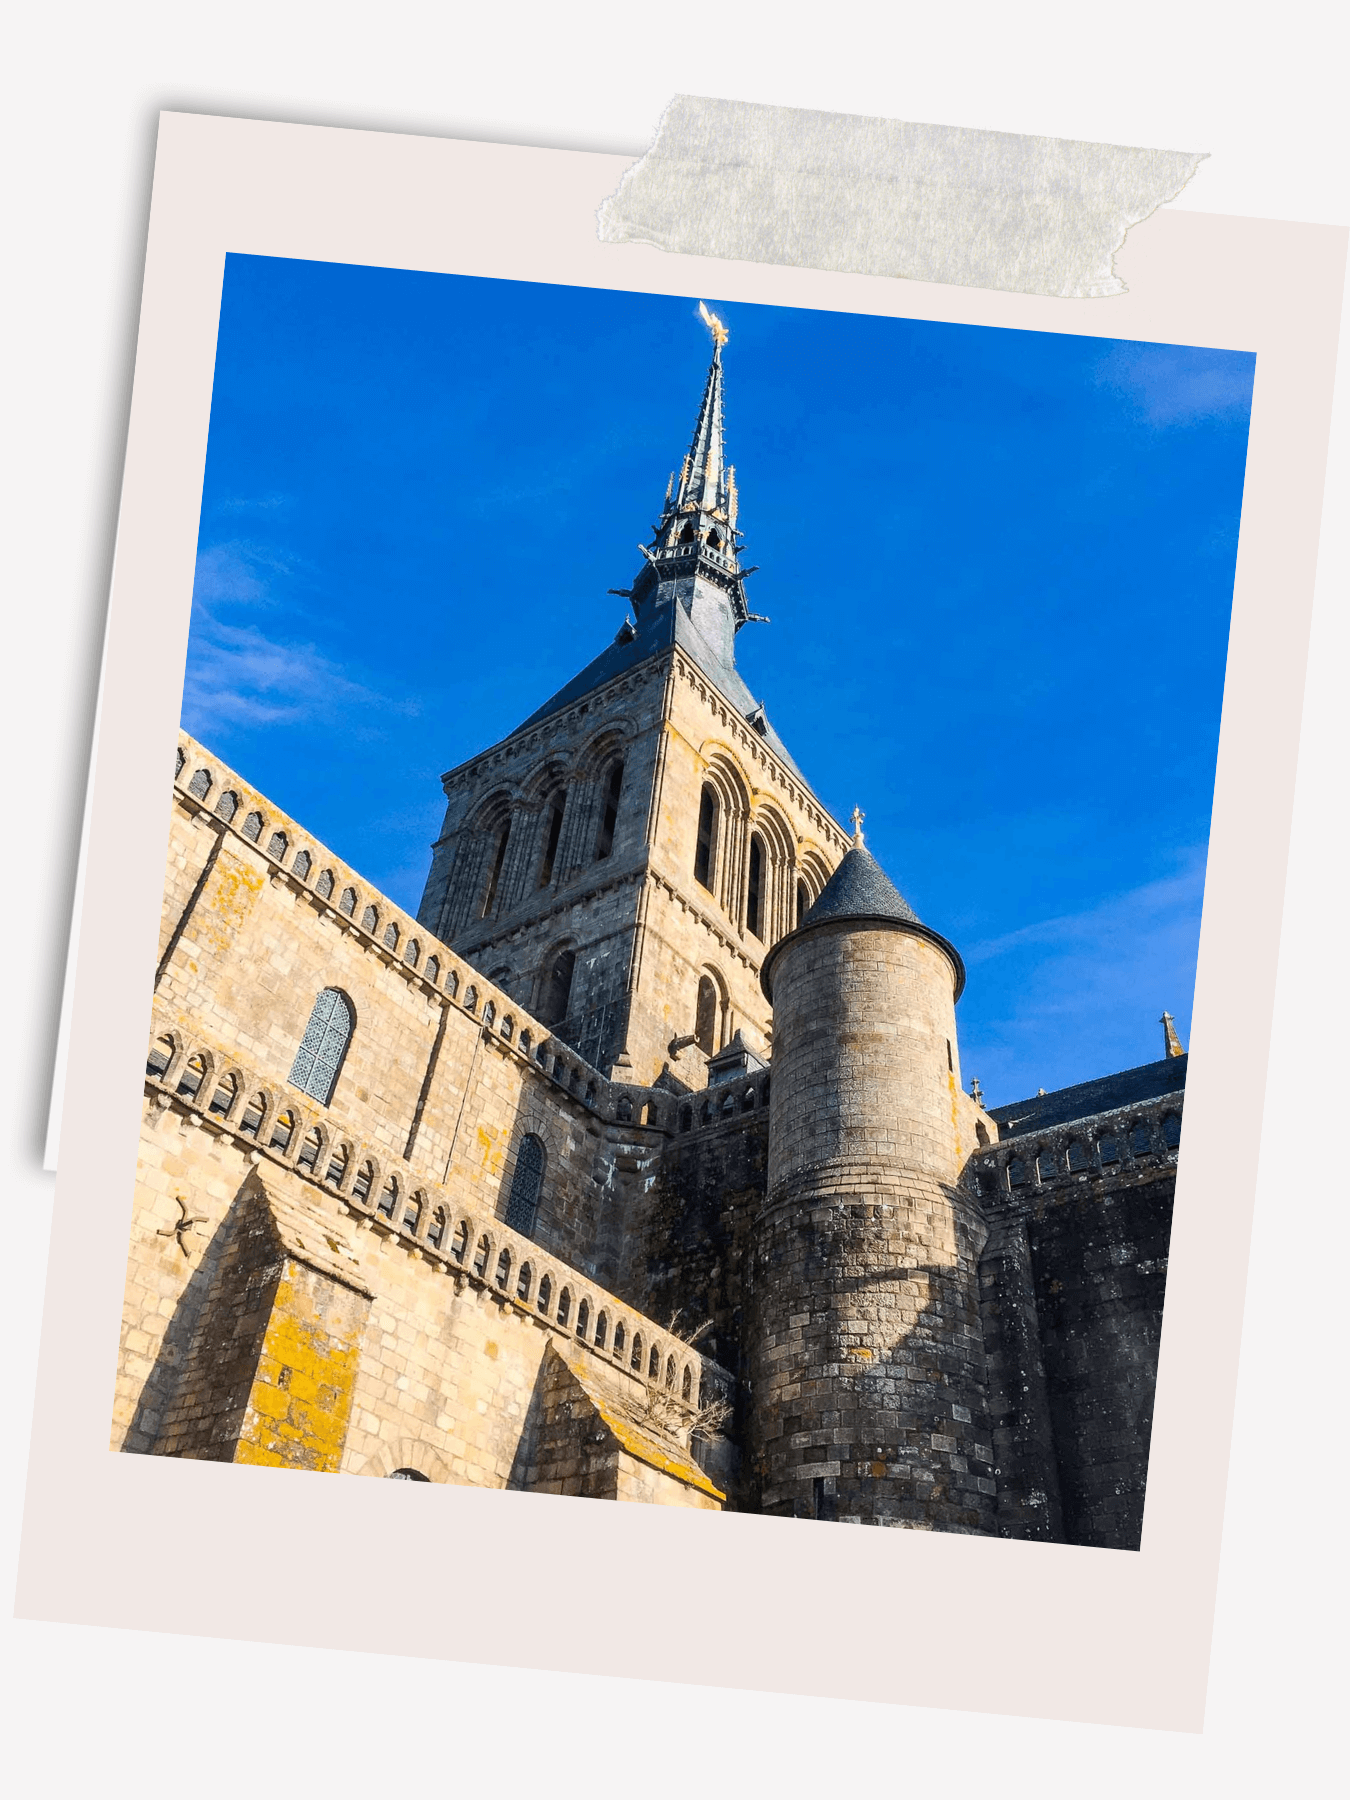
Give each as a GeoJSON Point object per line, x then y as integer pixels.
{"type": "Point", "coordinates": [720, 334]}
{"type": "Point", "coordinates": [857, 816]}
{"type": "Point", "coordinates": [1172, 1044]}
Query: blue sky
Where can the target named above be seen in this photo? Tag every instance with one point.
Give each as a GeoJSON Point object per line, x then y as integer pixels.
{"type": "Point", "coordinates": [998, 564]}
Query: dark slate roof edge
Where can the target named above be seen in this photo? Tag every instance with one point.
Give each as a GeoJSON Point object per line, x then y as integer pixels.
{"type": "Point", "coordinates": [1105, 1093]}
{"type": "Point", "coordinates": [1027, 1132]}
{"type": "Point", "coordinates": [620, 659]}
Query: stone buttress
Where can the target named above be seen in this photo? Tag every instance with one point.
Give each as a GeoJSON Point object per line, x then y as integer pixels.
{"type": "Point", "coordinates": [865, 1354]}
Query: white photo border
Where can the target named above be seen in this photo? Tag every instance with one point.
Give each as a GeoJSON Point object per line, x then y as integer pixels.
{"type": "Point", "coordinates": [539, 1580]}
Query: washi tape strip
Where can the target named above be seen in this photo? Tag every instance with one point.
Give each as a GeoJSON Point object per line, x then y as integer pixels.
{"type": "Point", "coordinates": [821, 190]}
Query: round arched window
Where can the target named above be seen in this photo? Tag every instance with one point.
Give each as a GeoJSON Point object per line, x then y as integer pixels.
{"type": "Point", "coordinates": [408, 1475]}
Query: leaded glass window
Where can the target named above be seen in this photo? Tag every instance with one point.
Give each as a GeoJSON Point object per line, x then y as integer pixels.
{"type": "Point", "coordinates": [526, 1182]}
{"type": "Point", "coordinates": [227, 806]}
{"type": "Point", "coordinates": [300, 867]}
{"type": "Point", "coordinates": [253, 825]}
{"type": "Point", "coordinates": [319, 1058]}
{"type": "Point", "coordinates": [200, 785]}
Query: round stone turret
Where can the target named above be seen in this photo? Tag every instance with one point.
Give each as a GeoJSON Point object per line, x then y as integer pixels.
{"type": "Point", "coordinates": [866, 1356]}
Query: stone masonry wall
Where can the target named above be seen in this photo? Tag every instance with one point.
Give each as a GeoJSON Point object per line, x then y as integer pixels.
{"type": "Point", "coordinates": [444, 1074]}
{"type": "Point", "coordinates": [873, 1375]}
{"type": "Point", "coordinates": [689, 1240]}
{"type": "Point", "coordinates": [1073, 1285]}
{"type": "Point", "coordinates": [442, 1078]}
{"type": "Point", "coordinates": [645, 931]}
{"type": "Point", "coordinates": [867, 1361]}
{"type": "Point", "coordinates": [383, 1350]}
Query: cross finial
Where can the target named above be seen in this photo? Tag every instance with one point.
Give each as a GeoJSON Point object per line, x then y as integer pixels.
{"type": "Point", "coordinates": [856, 817]}
{"type": "Point", "coordinates": [976, 1091]}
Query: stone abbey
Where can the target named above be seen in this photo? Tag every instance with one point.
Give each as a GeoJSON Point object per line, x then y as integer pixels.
{"type": "Point", "coordinates": [638, 1165]}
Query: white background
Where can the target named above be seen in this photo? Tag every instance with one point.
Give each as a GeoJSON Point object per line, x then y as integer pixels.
{"type": "Point", "coordinates": [1260, 87]}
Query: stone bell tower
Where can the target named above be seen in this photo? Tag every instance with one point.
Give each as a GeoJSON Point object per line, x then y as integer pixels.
{"type": "Point", "coordinates": [622, 861]}
{"type": "Point", "coordinates": [865, 1348]}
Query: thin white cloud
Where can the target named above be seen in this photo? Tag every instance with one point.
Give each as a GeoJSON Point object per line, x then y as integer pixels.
{"type": "Point", "coordinates": [1082, 992]}
{"type": "Point", "coordinates": [237, 573]}
{"type": "Point", "coordinates": [1117, 920]}
{"type": "Point", "coordinates": [254, 503]}
{"type": "Point", "coordinates": [1173, 385]}
{"type": "Point", "coordinates": [238, 675]}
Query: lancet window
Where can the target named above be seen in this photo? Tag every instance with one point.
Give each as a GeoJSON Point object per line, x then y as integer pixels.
{"type": "Point", "coordinates": [552, 835]}
{"type": "Point", "coordinates": [705, 1015]}
{"type": "Point", "coordinates": [495, 872]}
{"type": "Point", "coordinates": [705, 851]}
{"type": "Point", "coordinates": [754, 898]}
{"type": "Point", "coordinates": [556, 996]}
{"type": "Point", "coordinates": [609, 813]}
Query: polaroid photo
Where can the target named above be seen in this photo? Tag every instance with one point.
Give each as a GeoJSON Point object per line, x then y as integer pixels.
{"type": "Point", "coordinates": [681, 906]}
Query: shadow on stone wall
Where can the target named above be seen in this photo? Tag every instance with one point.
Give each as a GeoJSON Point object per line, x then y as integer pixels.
{"type": "Point", "coordinates": [163, 1384]}
{"type": "Point", "coordinates": [531, 1430]}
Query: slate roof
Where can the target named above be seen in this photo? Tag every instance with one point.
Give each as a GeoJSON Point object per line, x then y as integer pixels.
{"type": "Point", "coordinates": [860, 889]}
{"type": "Point", "coordinates": [1129, 1088]}
{"type": "Point", "coordinates": [657, 631]}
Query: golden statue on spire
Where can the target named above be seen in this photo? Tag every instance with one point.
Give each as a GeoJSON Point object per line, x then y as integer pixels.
{"type": "Point", "coordinates": [714, 324]}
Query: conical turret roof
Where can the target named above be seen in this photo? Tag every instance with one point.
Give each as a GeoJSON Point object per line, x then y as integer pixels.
{"type": "Point", "coordinates": [861, 889]}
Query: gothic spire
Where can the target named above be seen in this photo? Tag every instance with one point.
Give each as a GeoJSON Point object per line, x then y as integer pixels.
{"type": "Point", "coordinates": [702, 481]}
{"type": "Point", "coordinates": [695, 546]}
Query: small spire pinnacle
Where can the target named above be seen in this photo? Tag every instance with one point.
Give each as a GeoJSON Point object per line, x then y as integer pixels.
{"type": "Point", "coordinates": [857, 816]}
{"type": "Point", "coordinates": [1172, 1044]}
